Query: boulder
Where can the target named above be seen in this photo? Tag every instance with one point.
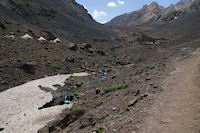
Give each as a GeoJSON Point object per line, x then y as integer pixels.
{"type": "Point", "coordinates": [85, 46]}
{"type": "Point", "coordinates": [44, 130]}
{"type": "Point", "coordinates": [100, 52]}
{"type": "Point", "coordinates": [29, 67]}
{"type": "Point", "coordinates": [47, 35]}
{"type": "Point", "coordinates": [73, 46]}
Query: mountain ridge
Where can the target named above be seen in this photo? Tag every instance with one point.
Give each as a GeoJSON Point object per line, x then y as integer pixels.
{"type": "Point", "coordinates": [151, 14]}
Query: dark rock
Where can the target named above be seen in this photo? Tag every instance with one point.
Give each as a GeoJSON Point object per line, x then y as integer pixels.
{"type": "Point", "coordinates": [144, 95]}
{"type": "Point", "coordinates": [47, 35]}
{"type": "Point", "coordinates": [145, 38]}
{"type": "Point", "coordinates": [137, 92]}
{"type": "Point", "coordinates": [69, 59]}
{"type": "Point", "coordinates": [73, 46]}
{"type": "Point", "coordinates": [2, 25]}
{"type": "Point", "coordinates": [148, 78]}
{"type": "Point", "coordinates": [132, 102]}
{"type": "Point", "coordinates": [29, 67]}
{"type": "Point", "coordinates": [44, 130]}
{"type": "Point", "coordinates": [124, 62]}
{"type": "Point", "coordinates": [90, 50]}
{"type": "Point", "coordinates": [85, 46]}
{"type": "Point", "coordinates": [155, 86]}
{"type": "Point", "coordinates": [98, 91]}
{"type": "Point", "coordinates": [87, 121]}
{"type": "Point", "coordinates": [100, 52]}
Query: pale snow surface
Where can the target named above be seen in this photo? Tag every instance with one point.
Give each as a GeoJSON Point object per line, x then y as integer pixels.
{"type": "Point", "coordinates": [19, 105]}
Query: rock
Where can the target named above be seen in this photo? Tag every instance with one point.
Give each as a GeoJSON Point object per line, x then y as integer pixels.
{"type": "Point", "coordinates": [85, 46]}
{"type": "Point", "coordinates": [148, 78]}
{"type": "Point", "coordinates": [132, 102]}
{"type": "Point", "coordinates": [100, 52]}
{"type": "Point", "coordinates": [114, 109]}
{"type": "Point", "coordinates": [87, 121]}
{"type": "Point", "coordinates": [137, 92]}
{"type": "Point", "coordinates": [71, 60]}
{"type": "Point", "coordinates": [48, 35]}
{"type": "Point", "coordinates": [72, 46]}
{"type": "Point", "coordinates": [91, 50]}
{"type": "Point", "coordinates": [29, 67]}
{"type": "Point", "coordinates": [133, 132]}
{"type": "Point", "coordinates": [9, 36]}
{"type": "Point", "coordinates": [123, 62]}
{"type": "Point", "coordinates": [86, 64]}
{"type": "Point", "coordinates": [44, 130]}
{"type": "Point", "coordinates": [155, 86]}
{"type": "Point", "coordinates": [98, 91]}
{"type": "Point", "coordinates": [2, 25]}
{"type": "Point", "coordinates": [114, 130]}
{"type": "Point", "coordinates": [4, 82]}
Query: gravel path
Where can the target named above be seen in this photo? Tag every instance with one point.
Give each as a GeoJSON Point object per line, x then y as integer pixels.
{"type": "Point", "coordinates": [19, 105]}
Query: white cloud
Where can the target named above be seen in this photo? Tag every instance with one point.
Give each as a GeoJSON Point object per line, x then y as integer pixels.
{"type": "Point", "coordinates": [96, 14]}
{"type": "Point", "coordinates": [103, 22]}
{"type": "Point", "coordinates": [111, 4]}
{"type": "Point", "coordinates": [121, 2]}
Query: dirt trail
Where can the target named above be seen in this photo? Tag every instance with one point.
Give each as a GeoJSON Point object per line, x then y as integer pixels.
{"type": "Point", "coordinates": [177, 109]}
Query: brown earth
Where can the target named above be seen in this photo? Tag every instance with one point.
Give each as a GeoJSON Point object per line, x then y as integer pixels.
{"type": "Point", "coordinates": [177, 109]}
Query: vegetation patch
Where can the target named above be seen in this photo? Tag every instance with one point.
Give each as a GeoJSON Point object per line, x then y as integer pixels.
{"type": "Point", "coordinates": [78, 111]}
{"type": "Point", "coordinates": [101, 130]}
{"type": "Point", "coordinates": [133, 60]}
{"type": "Point", "coordinates": [117, 87]}
{"type": "Point", "coordinates": [77, 90]}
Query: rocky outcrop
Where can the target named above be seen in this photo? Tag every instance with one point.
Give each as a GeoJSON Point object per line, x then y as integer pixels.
{"type": "Point", "coordinates": [154, 13]}
{"type": "Point", "coordinates": [145, 15]}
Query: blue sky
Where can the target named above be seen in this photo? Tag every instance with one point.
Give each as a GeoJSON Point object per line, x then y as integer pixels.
{"type": "Point", "coordinates": [104, 10]}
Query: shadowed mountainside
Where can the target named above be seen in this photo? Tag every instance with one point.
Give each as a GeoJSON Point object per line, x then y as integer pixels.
{"type": "Point", "coordinates": [70, 21]}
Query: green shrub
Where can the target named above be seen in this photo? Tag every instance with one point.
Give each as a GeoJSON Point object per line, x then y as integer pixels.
{"type": "Point", "coordinates": [101, 130]}
{"type": "Point", "coordinates": [59, 87]}
{"type": "Point", "coordinates": [78, 111]}
{"type": "Point", "coordinates": [77, 90]}
{"type": "Point", "coordinates": [117, 87]}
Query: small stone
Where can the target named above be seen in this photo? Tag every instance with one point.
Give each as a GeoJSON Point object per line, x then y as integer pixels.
{"type": "Point", "coordinates": [114, 130]}
{"type": "Point", "coordinates": [114, 109]}
{"type": "Point", "coordinates": [133, 101]}
{"type": "Point", "coordinates": [98, 91]}
{"type": "Point", "coordinates": [155, 86]}
{"type": "Point", "coordinates": [72, 46]}
{"type": "Point", "coordinates": [148, 78]}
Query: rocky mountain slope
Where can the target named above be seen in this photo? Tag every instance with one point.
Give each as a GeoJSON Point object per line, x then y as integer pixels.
{"type": "Point", "coordinates": [65, 18]}
{"type": "Point", "coordinates": [127, 71]}
{"type": "Point", "coordinates": [150, 14]}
